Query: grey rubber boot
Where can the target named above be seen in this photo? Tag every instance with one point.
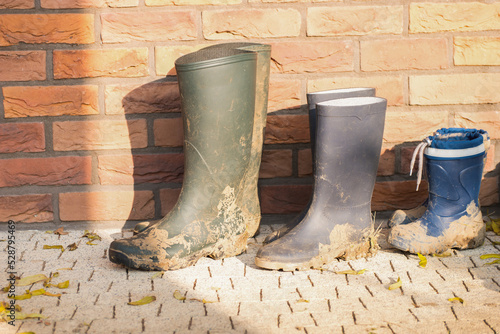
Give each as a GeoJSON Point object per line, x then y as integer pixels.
{"type": "Point", "coordinates": [338, 223]}
{"type": "Point", "coordinates": [217, 90]}
{"type": "Point", "coordinates": [263, 52]}
{"type": "Point", "coordinates": [312, 100]}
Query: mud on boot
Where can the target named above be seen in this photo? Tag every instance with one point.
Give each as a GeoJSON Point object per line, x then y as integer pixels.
{"type": "Point", "coordinates": [453, 219]}
{"type": "Point", "coordinates": [338, 223]}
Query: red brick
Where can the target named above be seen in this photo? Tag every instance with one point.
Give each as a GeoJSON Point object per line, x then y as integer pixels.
{"type": "Point", "coordinates": [284, 94]}
{"type": "Point", "coordinates": [17, 4]}
{"type": "Point", "coordinates": [27, 208]}
{"type": "Point", "coordinates": [406, 155]}
{"type": "Point", "coordinates": [168, 132]}
{"type": "Point", "coordinates": [99, 135]}
{"type": "Point", "coordinates": [148, 26]}
{"type": "Point", "coordinates": [45, 171]}
{"type": "Point", "coordinates": [151, 168]}
{"type": "Point", "coordinates": [112, 205]}
{"type": "Point", "coordinates": [305, 163]}
{"type": "Point", "coordinates": [152, 97]}
{"type": "Point", "coordinates": [488, 195]}
{"type": "Point", "coordinates": [284, 199]}
{"type": "Point", "coordinates": [276, 163]}
{"type": "Point", "coordinates": [168, 198]}
{"type": "Point", "coordinates": [22, 65]}
{"type": "Point", "coordinates": [312, 57]}
{"type": "Point", "coordinates": [50, 101]}
{"type": "Point", "coordinates": [22, 137]}
{"type": "Point", "coordinates": [287, 129]}
{"type": "Point", "coordinates": [46, 28]}
{"type": "Point", "coordinates": [387, 162]}
{"type": "Point", "coordinates": [404, 54]}
{"type": "Point", "coordinates": [62, 4]}
{"type": "Point", "coordinates": [393, 195]}
{"type": "Point", "coordinates": [122, 63]}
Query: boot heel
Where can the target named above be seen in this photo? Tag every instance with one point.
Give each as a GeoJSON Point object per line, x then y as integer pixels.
{"type": "Point", "coordinates": [232, 246]}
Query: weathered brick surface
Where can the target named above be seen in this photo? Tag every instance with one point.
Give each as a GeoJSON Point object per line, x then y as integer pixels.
{"type": "Point", "coordinates": [405, 163]}
{"type": "Point", "coordinates": [154, 97]}
{"type": "Point", "coordinates": [168, 132]}
{"type": "Point", "coordinates": [412, 126]}
{"type": "Point", "coordinates": [148, 26]}
{"type": "Point", "coordinates": [62, 4]}
{"type": "Point", "coordinates": [387, 162]}
{"type": "Point", "coordinates": [165, 57]}
{"type": "Point", "coordinates": [281, 129]}
{"type": "Point", "coordinates": [190, 2]}
{"type": "Point", "coordinates": [477, 50]}
{"type": "Point", "coordinates": [392, 195]}
{"type": "Point", "coordinates": [17, 4]}
{"type": "Point", "coordinates": [22, 137]}
{"type": "Point", "coordinates": [111, 205]}
{"type": "Point", "coordinates": [284, 199]}
{"type": "Point", "coordinates": [454, 88]}
{"type": "Point", "coordinates": [168, 198]}
{"type": "Point", "coordinates": [388, 87]}
{"type": "Point", "coordinates": [27, 208]}
{"type": "Point", "coordinates": [46, 28]}
{"type": "Point", "coordinates": [22, 65]}
{"type": "Point", "coordinates": [305, 163]}
{"type": "Point", "coordinates": [488, 194]}
{"type": "Point", "coordinates": [131, 62]}
{"type": "Point", "coordinates": [312, 57]}
{"type": "Point", "coordinates": [251, 23]}
{"type": "Point", "coordinates": [284, 94]}
{"type": "Point", "coordinates": [276, 163]}
{"type": "Point", "coordinates": [45, 171]}
{"type": "Point", "coordinates": [357, 20]}
{"type": "Point", "coordinates": [147, 168]}
{"type": "Point", "coordinates": [404, 54]}
{"type": "Point", "coordinates": [99, 135]}
{"type": "Point", "coordinates": [486, 120]}
{"type": "Point", "coordinates": [50, 101]}
{"type": "Point", "coordinates": [430, 17]}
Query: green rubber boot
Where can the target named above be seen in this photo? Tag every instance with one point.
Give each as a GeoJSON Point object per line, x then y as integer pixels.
{"type": "Point", "coordinates": [217, 88]}
{"type": "Point", "coordinates": [263, 52]}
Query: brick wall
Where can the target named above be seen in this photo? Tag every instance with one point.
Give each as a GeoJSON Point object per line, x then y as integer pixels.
{"type": "Point", "coordinates": [90, 123]}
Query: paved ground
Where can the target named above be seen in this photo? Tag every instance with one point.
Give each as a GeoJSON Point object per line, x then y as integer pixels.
{"type": "Point", "coordinates": [233, 295]}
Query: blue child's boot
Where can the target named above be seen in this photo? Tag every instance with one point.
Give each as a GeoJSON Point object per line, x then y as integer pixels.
{"type": "Point", "coordinates": [454, 161]}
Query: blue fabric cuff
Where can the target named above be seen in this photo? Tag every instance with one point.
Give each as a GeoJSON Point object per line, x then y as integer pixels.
{"type": "Point", "coordinates": [457, 138]}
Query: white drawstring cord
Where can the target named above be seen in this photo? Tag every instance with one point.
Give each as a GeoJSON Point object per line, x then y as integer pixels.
{"type": "Point", "coordinates": [420, 152]}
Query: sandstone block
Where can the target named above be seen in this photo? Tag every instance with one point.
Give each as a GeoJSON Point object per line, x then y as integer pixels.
{"type": "Point", "coordinates": [282, 199]}
{"type": "Point", "coordinates": [190, 2]}
{"type": "Point", "coordinates": [99, 135]}
{"type": "Point", "coordinates": [486, 120]}
{"type": "Point", "coordinates": [354, 20]}
{"type": "Point", "coordinates": [148, 26]}
{"type": "Point", "coordinates": [276, 163]}
{"type": "Point", "coordinates": [154, 97]}
{"type": "Point", "coordinates": [45, 171]}
{"type": "Point", "coordinates": [110, 205]}
{"type": "Point", "coordinates": [388, 87]}
{"type": "Point", "coordinates": [165, 57]}
{"type": "Point", "coordinates": [168, 132]}
{"type": "Point", "coordinates": [31, 101]}
{"type": "Point", "coordinates": [46, 28]}
{"type": "Point", "coordinates": [121, 63]}
{"type": "Point", "coordinates": [476, 50]}
{"type": "Point", "coordinates": [284, 94]}
{"type": "Point", "coordinates": [22, 65]}
{"type": "Point", "coordinates": [393, 195]}
{"type": "Point", "coordinates": [27, 208]}
{"type": "Point", "coordinates": [430, 17]}
{"type": "Point", "coordinates": [62, 4]}
{"type": "Point", "coordinates": [287, 129]}
{"type": "Point", "coordinates": [404, 54]}
{"type": "Point", "coordinates": [144, 168]}
{"type": "Point", "coordinates": [168, 198]}
{"type": "Point", "coordinates": [250, 23]}
{"type": "Point", "coordinates": [464, 88]}
{"type": "Point", "coordinates": [17, 4]}
{"type": "Point", "coordinates": [22, 137]}
{"type": "Point", "coordinates": [407, 126]}
{"type": "Point", "coordinates": [312, 57]}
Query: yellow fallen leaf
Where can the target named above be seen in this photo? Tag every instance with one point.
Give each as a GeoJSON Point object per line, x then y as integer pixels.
{"type": "Point", "coordinates": [301, 300]}
{"type": "Point", "coordinates": [423, 260]}
{"type": "Point", "coordinates": [27, 333]}
{"type": "Point", "coordinates": [178, 295]}
{"type": "Point", "coordinates": [23, 316]}
{"type": "Point", "coordinates": [158, 275]}
{"type": "Point", "coordinates": [489, 256]}
{"type": "Point", "coordinates": [52, 294]}
{"type": "Point", "coordinates": [28, 280]}
{"type": "Point", "coordinates": [49, 232]}
{"type": "Point", "coordinates": [91, 236]}
{"type": "Point", "coordinates": [143, 301]}
{"type": "Point", "coordinates": [396, 285]}
{"type": "Point", "coordinates": [26, 295]}
{"type": "Point", "coordinates": [495, 243]}
{"type": "Point", "coordinates": [444, 254]}
{"type": "Point", "coordinates": [65, 269]}
{"type": "Point", "coordinates": [492, 262]}
{"type": "Point", "coordinates": [351, 272]}
{"type": "Point", "coordinates": [90, 243]}
{"type": "Point", "coordinates": [456, 299]}
{"type": "Point", "coordinates": [56, 274]}
{"type": "Point", "coordinates": [38, 292]}
{"type": "Point", "coordinates": [204, 301]}
{"type": "Point", "coordinates": [54, 247]}
{"type": "Point", "coordinates": [72, 247]}
{"type": "Point", "coordinates": [62, 285]}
